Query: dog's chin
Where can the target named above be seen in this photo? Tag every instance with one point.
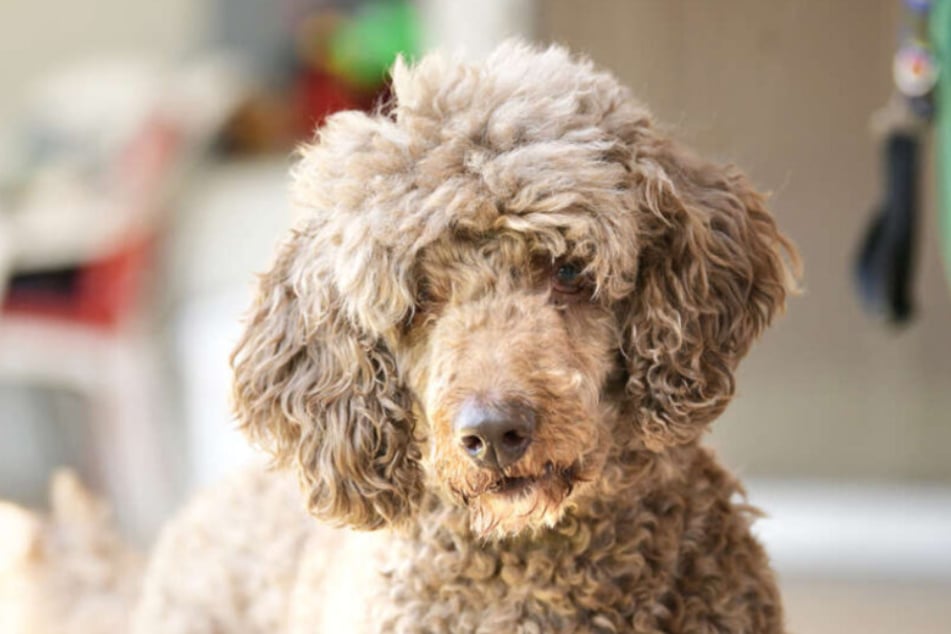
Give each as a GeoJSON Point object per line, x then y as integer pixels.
{"type": "Point", "coordinates": [514, 505]}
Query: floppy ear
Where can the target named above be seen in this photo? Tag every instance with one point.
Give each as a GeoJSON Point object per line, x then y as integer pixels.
{"type": "Point", "coordinates": [319, 392]}
{"type": "Point", "coordinates": [712, 274]}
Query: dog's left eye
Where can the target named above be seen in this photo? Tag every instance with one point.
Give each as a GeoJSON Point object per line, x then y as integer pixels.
{"type": "Point", "coordinates": [568, 278]}
{"type": "Point", "coordinates": [568, 273]}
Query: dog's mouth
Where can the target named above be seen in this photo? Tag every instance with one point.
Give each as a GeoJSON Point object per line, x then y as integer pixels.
{"type": "Point", "coordinates": [555, 478]}
{"type": "Point", "coordinates": [507, 504]}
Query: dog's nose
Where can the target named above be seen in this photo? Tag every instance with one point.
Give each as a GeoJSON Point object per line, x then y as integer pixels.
{"type": "Point", "coordinates": [494, 434]}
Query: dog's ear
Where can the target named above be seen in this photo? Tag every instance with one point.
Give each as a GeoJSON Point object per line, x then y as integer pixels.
{"type": "Point", "coordinates": [713, 271]}
{"type": "Point", "coordinates": [319, 392]}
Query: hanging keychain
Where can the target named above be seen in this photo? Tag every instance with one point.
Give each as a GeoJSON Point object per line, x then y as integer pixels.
{"type": "Point", "coordinates": [884, 269]}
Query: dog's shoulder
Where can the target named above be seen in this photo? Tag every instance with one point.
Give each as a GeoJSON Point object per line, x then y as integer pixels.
{"type": "Point", "coordinates": [229, 558]}
{"type": "Point", "coordinates": [341, 584]}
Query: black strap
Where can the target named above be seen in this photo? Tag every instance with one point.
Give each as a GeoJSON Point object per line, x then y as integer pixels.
{"type": "Point", "coordinates": [884, 270]}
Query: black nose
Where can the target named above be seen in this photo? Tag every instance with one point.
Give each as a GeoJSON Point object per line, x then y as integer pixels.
{"type": "Point", "coordinates": [494, 433]}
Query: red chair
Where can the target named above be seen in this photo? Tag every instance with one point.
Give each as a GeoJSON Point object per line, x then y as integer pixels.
{"type": "Point", "coordinates": [86, 328]}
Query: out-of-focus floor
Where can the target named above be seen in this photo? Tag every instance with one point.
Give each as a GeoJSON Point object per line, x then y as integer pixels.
{"type": "Point", "coordinates": [840, 607]}
{"type": "Point", "coordinates": [867, 558]}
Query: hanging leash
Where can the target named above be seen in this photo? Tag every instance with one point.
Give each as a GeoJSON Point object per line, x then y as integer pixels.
{"type": "Point", "coordinates": [885, 267]}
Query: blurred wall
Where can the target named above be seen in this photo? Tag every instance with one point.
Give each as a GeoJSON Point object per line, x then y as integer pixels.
{"type": "Point", "coordinates": [785, 89]}
{"type": "Point", "coordinates": [42, 35]}
{"type": "Point", "coordinates": [473, 29]}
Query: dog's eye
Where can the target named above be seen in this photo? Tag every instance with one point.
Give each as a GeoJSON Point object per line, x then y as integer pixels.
{"type": "Point", "coordinates": [568, 274]}
{"type": "Point", "coordinates": [424, 302]}
{"type": "Point", "coordinates": [424, 296]}
{"type": "Point", "coordinates": [568, 278]}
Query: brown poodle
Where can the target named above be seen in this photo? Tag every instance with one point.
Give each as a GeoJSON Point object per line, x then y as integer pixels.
{"type": "Point", "coordinates": [492, 348]}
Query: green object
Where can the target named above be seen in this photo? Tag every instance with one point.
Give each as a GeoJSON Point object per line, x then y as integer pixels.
{"type": "Point", "coordinates": [364, 49]}
{"type": "Point", "coordinates": [941, 40]}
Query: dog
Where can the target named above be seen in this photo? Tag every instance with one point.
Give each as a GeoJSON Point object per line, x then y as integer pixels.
{"type": "Point", "coordinates": [68, 571]}
{"type": "Point", "coordinates": [486, 358]}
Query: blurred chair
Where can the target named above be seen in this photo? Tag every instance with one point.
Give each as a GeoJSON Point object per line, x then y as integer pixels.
{"type": "Point", "coordinates": [114, 374]}
{"type": "Point", "coordinates": [94, 185]}
{"type": "Point", "coordinates": [75, 317]}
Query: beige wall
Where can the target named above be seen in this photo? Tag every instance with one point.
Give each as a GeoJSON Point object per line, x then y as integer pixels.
{"type": "Point", "coordinates": [37, 36]}
{"type": "Point", "coordinates": [785, 88]}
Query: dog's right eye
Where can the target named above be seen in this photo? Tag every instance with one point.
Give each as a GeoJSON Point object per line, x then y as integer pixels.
{"type": "Point", "coordinates": [423, 305]}
{"type": "Point", "coordinates": [424, 296]}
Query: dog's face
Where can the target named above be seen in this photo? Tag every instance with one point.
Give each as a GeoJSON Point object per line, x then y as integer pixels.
{"type": "Point", "coordinates": [508, 354]}
{"type": "Point", "coordinates": [500, 281]}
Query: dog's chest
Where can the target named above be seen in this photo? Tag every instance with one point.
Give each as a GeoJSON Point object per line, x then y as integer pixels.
{"type": "Point", "coordinates": [586, 578]}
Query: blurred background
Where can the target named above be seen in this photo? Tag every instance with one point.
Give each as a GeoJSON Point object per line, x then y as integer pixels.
{"type": "Point", "coordinates": [144, 153]}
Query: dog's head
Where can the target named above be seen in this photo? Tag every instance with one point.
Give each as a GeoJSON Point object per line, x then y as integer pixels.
{"type": "Point", "coordinates": [489, 274]}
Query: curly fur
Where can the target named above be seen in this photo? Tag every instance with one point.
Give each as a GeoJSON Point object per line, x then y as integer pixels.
{"type": "Point", "coordinates": [422, 276]}
{"type": "Point", "coordinates": [426, 273]}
